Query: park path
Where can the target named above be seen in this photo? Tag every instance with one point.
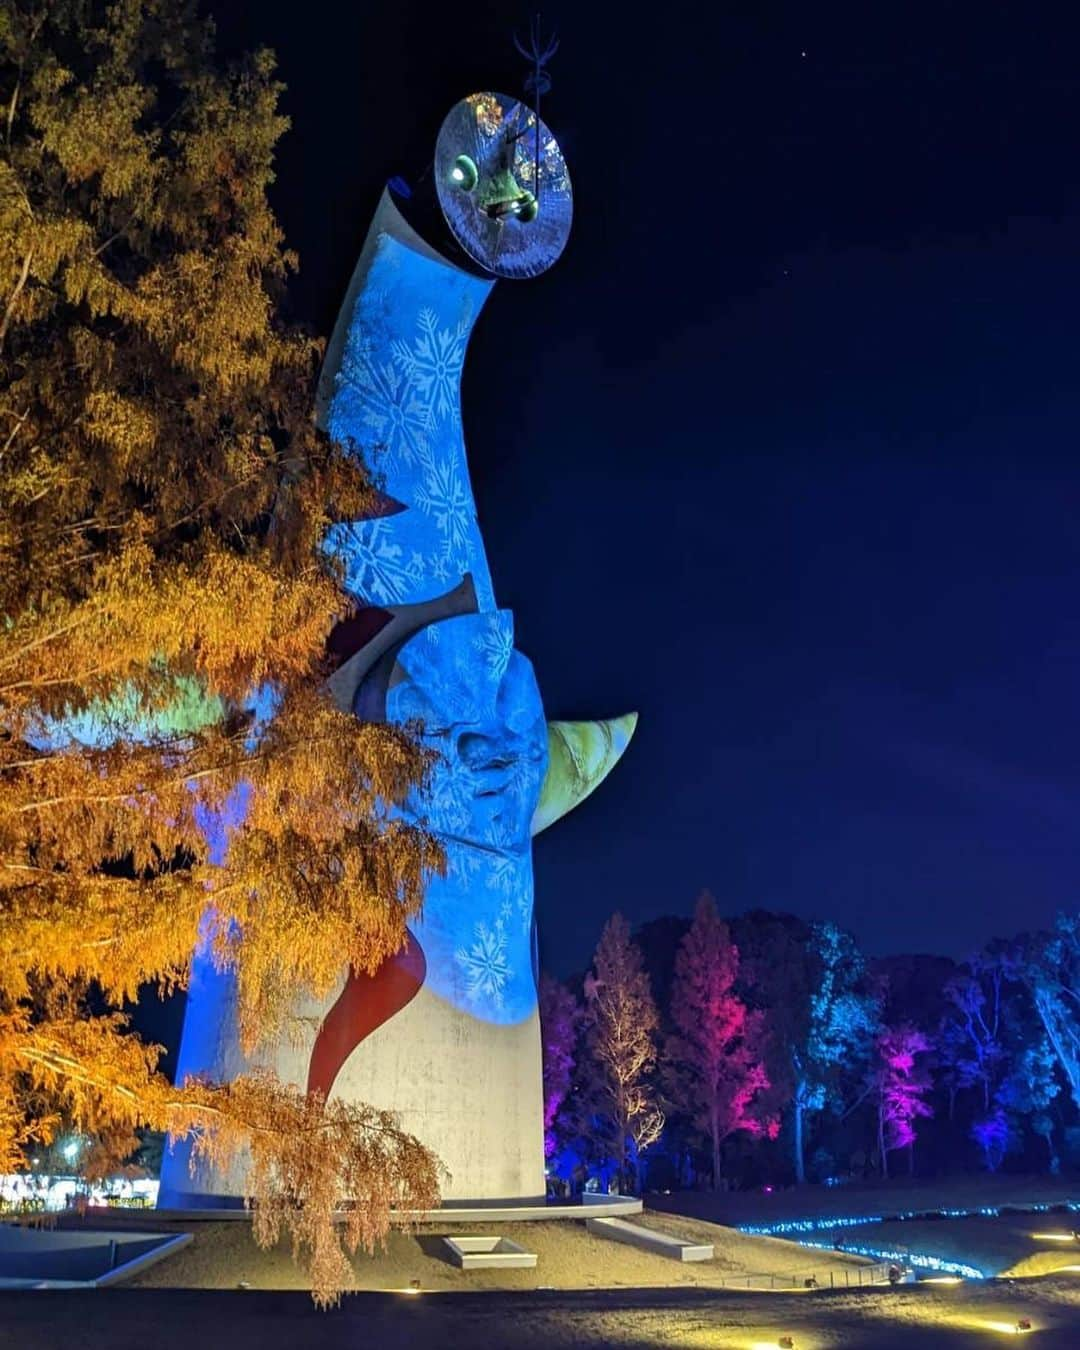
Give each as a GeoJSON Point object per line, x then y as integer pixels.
{"type": "Point", "coordinates": [691, 1319]}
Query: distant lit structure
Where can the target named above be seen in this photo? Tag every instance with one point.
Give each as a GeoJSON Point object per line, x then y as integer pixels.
{"type": "Point", "coordinates": [27, 1192]}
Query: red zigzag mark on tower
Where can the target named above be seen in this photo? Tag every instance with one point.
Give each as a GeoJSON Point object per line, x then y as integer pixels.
{"type": "Point", "coordinates": [365, 1003]}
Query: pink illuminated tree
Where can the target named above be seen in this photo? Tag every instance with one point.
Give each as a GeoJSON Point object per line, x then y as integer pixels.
{"type": "Point", "coordinates": [560, 1017]}
{"type": "Point", "coordinates": [901, 1085]}
{"type": "Point", "coordinates": [714, 1066]}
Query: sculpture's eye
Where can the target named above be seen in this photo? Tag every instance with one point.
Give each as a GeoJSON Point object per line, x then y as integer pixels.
{"type": "Point", "coordinates": [526, 207]}
{"type": "Point", "coordinates": [464, 174]}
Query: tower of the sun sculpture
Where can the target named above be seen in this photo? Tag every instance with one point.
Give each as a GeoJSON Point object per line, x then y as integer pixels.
{"type": "Point", "coordinates": [447, 1033]}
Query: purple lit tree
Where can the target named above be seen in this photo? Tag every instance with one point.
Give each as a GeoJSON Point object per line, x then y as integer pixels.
{"type": "Point", "coordinates": [714, 1069]}
{"type": "Point", "coordinates": [560, 1018]}
{"type": "Point", "coordinates": [900, 1084]}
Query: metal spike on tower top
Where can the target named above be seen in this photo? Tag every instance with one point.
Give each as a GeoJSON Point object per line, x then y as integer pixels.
{"type": "Point", "coordinates": [494, 161]}
{"type": "Point", "coordinates": [537, 81]}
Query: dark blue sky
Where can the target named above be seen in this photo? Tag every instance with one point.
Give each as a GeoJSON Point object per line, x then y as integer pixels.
{"type": "Point", "coordinates": [783, 452]}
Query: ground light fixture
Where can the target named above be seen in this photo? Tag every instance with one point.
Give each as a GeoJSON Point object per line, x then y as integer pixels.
{"type": "Point", "coordinates": [1053, 1237]}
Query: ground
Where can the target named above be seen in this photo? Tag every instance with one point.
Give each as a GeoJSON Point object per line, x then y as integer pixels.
{"type": "Point", "coordinates": [589, 1293]}
{"type": "Point", "coordinates": [927, 1318]}
{"type": "Point", "coordinates": [871, 1197]}
{"type": "Point", "coordinates": [1009, 1244]}
{"type": "Point", "coordinates": [223, 1254]}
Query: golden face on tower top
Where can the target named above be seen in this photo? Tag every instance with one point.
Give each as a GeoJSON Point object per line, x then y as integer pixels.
{"type": "Point", "coordinates": [503, 185]}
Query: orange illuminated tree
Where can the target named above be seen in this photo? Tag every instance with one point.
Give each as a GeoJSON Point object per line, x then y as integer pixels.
{"type": "Point", "coordinates": [163, 491]}
{"type": "Point", "coordinates": [621, 1022]}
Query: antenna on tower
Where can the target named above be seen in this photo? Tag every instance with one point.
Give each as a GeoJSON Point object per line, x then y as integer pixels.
{"type": "Point", "coordinates": [537, 81]}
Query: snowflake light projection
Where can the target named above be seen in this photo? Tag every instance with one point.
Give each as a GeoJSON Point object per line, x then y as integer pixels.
{"type": "Point", "coordinates": [397, 399]}
{"type": "Point", "coordinates": [485, 963]}
{"type": "Point", "coordinates": [476, 699]}
{"type": "Point", "coordinates": [432, 364]}
{"type": "Point", "coordinates": [446, 1034]}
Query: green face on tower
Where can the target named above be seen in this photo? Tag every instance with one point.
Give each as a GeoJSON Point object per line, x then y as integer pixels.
{"type": "Point", "coordinates": [503, 185]}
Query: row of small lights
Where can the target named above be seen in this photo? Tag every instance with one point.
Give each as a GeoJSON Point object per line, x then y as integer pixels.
{"type": "Point", "coordinates": [915, 1259]}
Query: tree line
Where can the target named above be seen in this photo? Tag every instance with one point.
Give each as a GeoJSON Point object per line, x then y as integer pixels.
{"type": "Point", "coordinates": [769, 1049]}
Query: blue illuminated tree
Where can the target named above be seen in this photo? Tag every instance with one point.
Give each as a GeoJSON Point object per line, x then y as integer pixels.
{"type": "Point", "coordinates": [1028, 1090]}
{"type": "Point", "coordinates": [972, 1036]}
{"type": "Point", "coordinates": [839, 1032]}
{"type": "Point", "coordinates": [1050, 968]}
{"type": "Point", "coordinates": [995, 1043]}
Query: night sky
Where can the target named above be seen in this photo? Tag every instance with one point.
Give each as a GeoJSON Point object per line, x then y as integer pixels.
{"type": "Point", "coordinates": [782, 452]}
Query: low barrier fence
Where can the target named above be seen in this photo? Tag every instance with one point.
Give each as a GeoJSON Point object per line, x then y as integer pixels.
{"type": "Point", "coordinates": [833, 1277]}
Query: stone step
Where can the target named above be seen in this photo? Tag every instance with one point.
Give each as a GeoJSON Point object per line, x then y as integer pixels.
{"type": "Point", "coordinates": [618, 1230]}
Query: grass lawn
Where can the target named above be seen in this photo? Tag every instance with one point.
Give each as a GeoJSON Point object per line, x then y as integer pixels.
{"type": "Point", "coordinates": [873, 1197]}
{"type": "Point", "coordinates": [224, 1254]}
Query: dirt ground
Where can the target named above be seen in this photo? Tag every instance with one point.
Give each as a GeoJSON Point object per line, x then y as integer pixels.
{"type": "Point", "coordinates": [223, 1254]}
{"type": "Point", "coordinates": [960, 1317]}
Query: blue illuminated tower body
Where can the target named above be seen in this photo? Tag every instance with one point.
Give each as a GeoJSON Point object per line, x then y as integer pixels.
{"type": "Point", "coordinates": [446, 1034]}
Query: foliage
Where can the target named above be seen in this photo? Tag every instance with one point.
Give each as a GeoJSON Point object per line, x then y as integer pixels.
{"type": "Point", "coordinates": [848, 1050]}
{"type": "Point", "coordinates": [163, 489]}
{"type": "Point", "coordinates": [560, 1018]}
{"type": "Point", "coordinates": [621, 1021]}
{"type": "Point", "coordinates": [1030, 1088]}
{"type": "Point", "coordinates": [713, 1061]}
{"type": "Point", "coordinates": [840, 1028]}
{"type": "Point", "coordinates": [993, 1135]}
{"type": "Point", "coordinates": [972, 1036]}
{"type": "Point", "coordinates": [1051, 972]}
{"type": "Point", "coordinates": [900, 1086]}
{"type": "Point", "coordinates": [993, 1046]}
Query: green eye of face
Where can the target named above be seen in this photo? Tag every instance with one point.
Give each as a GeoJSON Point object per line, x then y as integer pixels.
{"type": "Point", "coordinates": [464, 174]}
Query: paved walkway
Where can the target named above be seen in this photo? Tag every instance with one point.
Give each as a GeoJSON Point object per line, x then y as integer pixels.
{"type": "Point", "coordinates": [691, 1319]}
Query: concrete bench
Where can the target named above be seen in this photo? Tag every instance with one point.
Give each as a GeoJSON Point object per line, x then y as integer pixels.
{"type": "Point", "coordinates": [618, 1230]}
{"type": "Point", "coordinates": [489, 1253]}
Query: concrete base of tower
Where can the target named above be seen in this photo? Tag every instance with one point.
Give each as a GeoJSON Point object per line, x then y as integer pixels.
{"type": "Point", "coordinates": [471, 1090]}
{"type": "Point", "coordinates": [193, 1207]}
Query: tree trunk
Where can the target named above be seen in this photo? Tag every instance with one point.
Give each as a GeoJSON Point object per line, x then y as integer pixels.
{"type": "Point", "coordinates": [881, 1143]}
{"type": "Point", "coordinates": [623, 1125]}
{"type": "Point", "coordinates": [715, 1155]}
{"type": "Point", "coordinates": [800, 1166]}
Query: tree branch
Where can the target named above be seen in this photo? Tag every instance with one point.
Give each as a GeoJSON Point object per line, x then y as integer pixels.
{"type": "Point", "coordinates": [9, 309]}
